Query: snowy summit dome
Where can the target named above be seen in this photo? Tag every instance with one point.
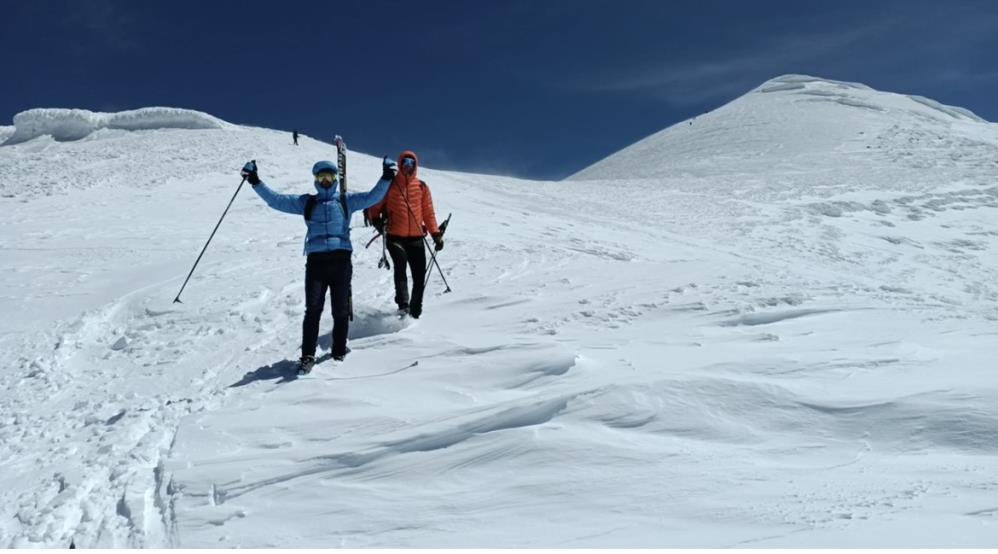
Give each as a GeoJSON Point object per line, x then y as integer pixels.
{"type": "Point", "coordinates": [796, 118]}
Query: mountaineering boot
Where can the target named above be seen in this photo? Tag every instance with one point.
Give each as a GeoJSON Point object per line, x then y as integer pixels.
{"type": "Point", "coordinates": [340, 357]}
{"type": "Point", "coordinates": [306, 364]}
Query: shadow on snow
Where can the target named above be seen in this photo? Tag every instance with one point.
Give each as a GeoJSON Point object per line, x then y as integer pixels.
{"type": "Point", "coordinates": [283, 371]}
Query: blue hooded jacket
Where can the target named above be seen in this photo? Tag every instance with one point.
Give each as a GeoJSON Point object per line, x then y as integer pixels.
{"type": "Point", "coordinates": [328, 230]}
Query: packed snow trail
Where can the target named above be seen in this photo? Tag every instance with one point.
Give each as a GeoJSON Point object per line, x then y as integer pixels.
{"type": "Point", "coordinates": [793, 350]}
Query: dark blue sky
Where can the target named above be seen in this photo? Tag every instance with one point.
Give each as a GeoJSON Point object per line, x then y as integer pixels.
{"type": "Point", "coordinates": [538, 88]}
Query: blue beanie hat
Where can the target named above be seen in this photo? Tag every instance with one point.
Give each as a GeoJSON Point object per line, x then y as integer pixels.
{"type": "Point", "coordinates": [324, 165]}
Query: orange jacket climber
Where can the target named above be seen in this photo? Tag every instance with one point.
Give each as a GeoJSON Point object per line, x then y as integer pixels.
{"type": "Point", "coordinates": [408, 205]}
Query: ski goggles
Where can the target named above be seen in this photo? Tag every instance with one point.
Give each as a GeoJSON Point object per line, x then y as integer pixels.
{"type": "Point", "coordinates": [325, 177]}
{"type": "Point", "coordinates": [408, 163]}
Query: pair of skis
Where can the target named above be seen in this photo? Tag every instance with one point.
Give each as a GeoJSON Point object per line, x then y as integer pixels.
{"type": "Point", "coordinates": [341, 163]}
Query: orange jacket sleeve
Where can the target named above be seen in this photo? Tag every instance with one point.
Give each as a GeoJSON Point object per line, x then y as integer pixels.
{"type": "Point", "coordinates": [429, 217]}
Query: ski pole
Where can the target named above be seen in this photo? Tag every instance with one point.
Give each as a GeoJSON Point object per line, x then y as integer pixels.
{"type": "Point", "coordinates": [434, 262]}
{"type": "Point", "coordinates": [177, 299]}
{"type": "Point", "coordinates": [433, 256]}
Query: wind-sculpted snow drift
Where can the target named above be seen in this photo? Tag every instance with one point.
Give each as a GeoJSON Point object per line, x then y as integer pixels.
{"type": "Point", "coordinates": [66, 125]}
{"type": "Point", "coordinates": [777, 328]}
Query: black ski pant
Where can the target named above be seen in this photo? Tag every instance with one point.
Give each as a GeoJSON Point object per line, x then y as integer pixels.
{"type": "Point", "coordinates": [333, 271]}
{"type": "Point", "coordinates": [408, 250]}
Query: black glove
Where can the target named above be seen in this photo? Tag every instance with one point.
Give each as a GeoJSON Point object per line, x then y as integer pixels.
{"type": "Point", "coordinates": [387, 169]}
{"type": "Point", "coordinates": [249, 173]}
{"type": "Point", "coordinates": [438, 242]}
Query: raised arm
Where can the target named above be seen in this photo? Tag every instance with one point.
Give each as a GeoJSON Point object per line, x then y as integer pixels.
{"type": "Point", "coordinates": [287, 203]}
{"type": "Point", "coordinates": [360, 200]}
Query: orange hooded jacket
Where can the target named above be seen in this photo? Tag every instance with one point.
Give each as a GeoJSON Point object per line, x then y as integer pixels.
{"type": "Point", "coordinates": [408, 205]}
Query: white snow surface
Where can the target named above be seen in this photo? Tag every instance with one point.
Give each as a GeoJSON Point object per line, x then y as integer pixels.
{"type": "Point", "coordinates": [65, 125]}
{"type": "Point", "coordinates": [784, 347]}
{"type": "Point", "coordinates": [797, 121]}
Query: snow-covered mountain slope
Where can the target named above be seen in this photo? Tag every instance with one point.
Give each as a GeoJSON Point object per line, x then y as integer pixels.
{"type": "Point", "coordinates": [796, 122]}
{"type": "Point", "coordinates": [729, 356]}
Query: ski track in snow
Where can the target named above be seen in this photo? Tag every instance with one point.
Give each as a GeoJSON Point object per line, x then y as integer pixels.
{"type": "Point", "coordinates": [719, 356]}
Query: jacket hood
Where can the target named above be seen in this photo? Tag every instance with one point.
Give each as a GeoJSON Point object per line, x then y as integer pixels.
{"type": "Point", "coordinates": [325, 165]}
{"type": "Point", "coordinates": [325, 193]}
{"type": "Point", "coordinates": [408, 154]}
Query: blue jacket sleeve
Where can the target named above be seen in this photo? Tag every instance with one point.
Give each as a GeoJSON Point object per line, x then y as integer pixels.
{"type": "Point", "coordinates": [287, 203]}
{"type": "Point", "coordinates": [361, 200]}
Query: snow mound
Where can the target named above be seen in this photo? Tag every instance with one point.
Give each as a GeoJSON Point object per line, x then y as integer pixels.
{"type": "Point", "coordinates": [844, 93]}
{"type": "Point", "coordinates": [70, 124]}
{"type": "Point", "coordinates": [800, 82]}
{"type": "Point", "coordinates": [839, 91]}
{"type": "Point", "coordinates": [804, 121]}
{"type": "Point", "coordinates": [952, 111]}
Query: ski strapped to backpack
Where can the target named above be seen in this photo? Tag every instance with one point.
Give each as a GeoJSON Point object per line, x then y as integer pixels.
{"type": "Point", "coordinates": [341, 160]}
